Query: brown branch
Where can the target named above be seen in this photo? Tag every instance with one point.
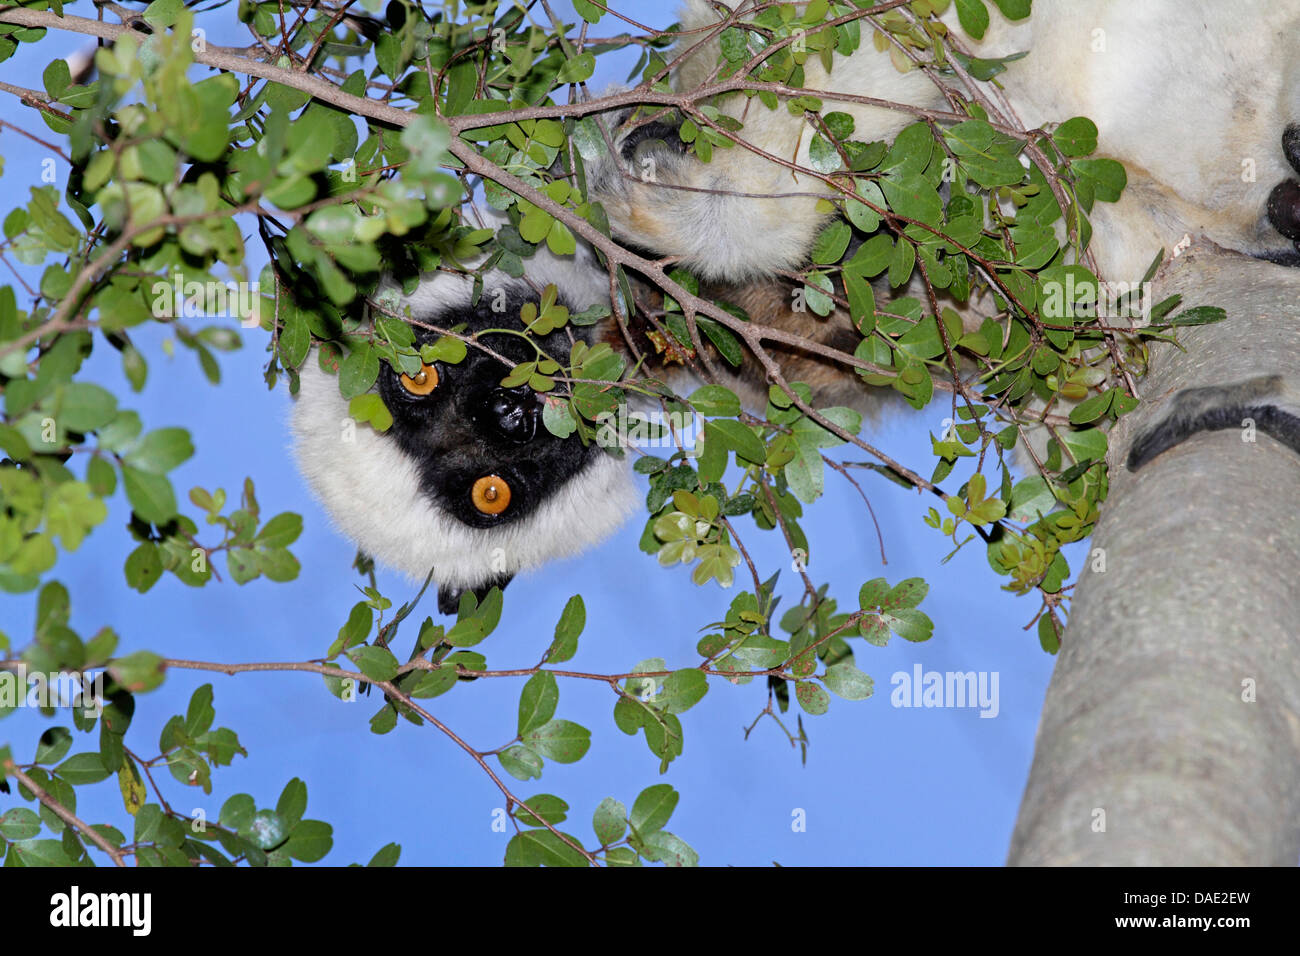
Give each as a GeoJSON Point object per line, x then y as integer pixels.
{"type": "Point", "coordinates": [395, 694]}
{"type": "Point", "coordinates": [64, 814]}
{"type": "Point", "coordinates": [222, 58]}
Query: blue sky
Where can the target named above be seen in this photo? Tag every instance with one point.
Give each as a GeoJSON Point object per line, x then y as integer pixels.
{"type": "Point", "coordinates": [882, 785]}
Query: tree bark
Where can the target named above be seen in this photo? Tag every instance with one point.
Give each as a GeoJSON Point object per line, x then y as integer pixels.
{"type": "Point", "coordinates": [1171, 730]}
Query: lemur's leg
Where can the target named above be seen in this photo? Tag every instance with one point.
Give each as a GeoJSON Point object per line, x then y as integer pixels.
{"type": "Point", "coordinates": [1284, 200]}
{"type": "Point", "coordinates": [1265, 401]}
{"type": "Point", "coordinates": [736, 218]}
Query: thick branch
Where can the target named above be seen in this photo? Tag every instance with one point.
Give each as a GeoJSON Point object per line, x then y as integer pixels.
{"type": "Point", "coordinates": [1173, 716]}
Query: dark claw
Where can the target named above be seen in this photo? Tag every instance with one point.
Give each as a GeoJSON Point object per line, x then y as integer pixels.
{"type": "Point", "coordinates": [659, 130]}
{"type": "Point", "coordinates": [1291, 145]}
{"type": "Point", "coordinates": [1284, 208]}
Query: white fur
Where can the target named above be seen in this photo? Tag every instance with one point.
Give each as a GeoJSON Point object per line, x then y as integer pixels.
{"type": "Point", "coordinates": [373, 491]}
{"type": "Point", "coordinates": [1182, 93]}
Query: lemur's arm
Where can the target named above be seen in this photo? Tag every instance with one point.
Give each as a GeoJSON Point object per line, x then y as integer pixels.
{"type": "Point", "coordinates": [1265, 401]}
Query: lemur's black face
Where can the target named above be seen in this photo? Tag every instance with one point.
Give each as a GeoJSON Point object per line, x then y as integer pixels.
{"type": "Point", "coordinates": [481, 449]}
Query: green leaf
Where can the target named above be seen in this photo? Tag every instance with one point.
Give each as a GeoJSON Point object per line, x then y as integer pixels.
{"type": "Point", "coordinates": [542, 847]}
{"type": "Point", "coordinates": [546, 807]}
{"type": "Point", "coordinates": [19, 823]}
{"type": "Point", "coordinates": [728, 346]}
{"type": "Point", "coordinates": [537, 702]}
{"type": "Point", "coordinates": [237, 812]}
{"type": "Point", "coordinates": [1084, 444]}
{"type": "Point", "coordinates": [310, 840]}
{"type": "Point", "coordinates": [57, 78]}
{"type": "Point", "coordinates": [845, 680]}
{"type": "Point", "coordinates": [54, 743]}
{"type": "Point", "coordinates": [578, 69]}
{"type": "Point", "coordinates": [812, 698]}
{"type": "Point", "coordinates": [715, 400]}
{"type": "Point", "coordinates": [360, 619]}
{"type": "Point", "coordinates": [862, 215]}
{"type": "Point", "coordinates": [200, 713]}
{"type": "Point", "coordinates": [572, 621]}
{"type": "Point", "coordinates": [294, 339]}
{"type": "Point", "coordinates": [161, 450]}
{"type": "Point", "coordinates": [671, 850]}
{"type": "Point", "coordinates": [358, 370]}
{"type": "Point", "coordinates": [83, 768]}
{"type": "Point", "coordinates": [377, 663]}
{"type": "Point", "coordinates": [293, 802]}
{"type": "Point", "coordinates": [1076, 137]}
{"type": "Point", "coordinates": [85, 407]}
{"type": "Point", "coordinates": [973, 16]}
{"type": "Point", "coordinates": [138, 672]}
{"type": "Point", "coordinates": [1093, 408]}
{"type": "Point", "coordinates": [588, 11]}
{"type": "Point", "coordinates": [684, 689]}
{"type": "Point", "coordinates": [817, 292]}
{"type": "Point", "coordinates": [38, 853]}
{"type": "Point", "coordinates": [909, 624]}
{"type": "Point", "coordinates": [910, 195]}
{"type": "Point", "coordinates": [736, 436]}
{"type": "Point", "coordinates": [1014, 9]}
{"type": "Point", "coordinates": [733, 44]}
{"type": "Point", "coordinates": [150, 495]}
{"type": "Point", "coordinates": [1106, 176]}
{"type": "Point", "coordinates": [831, 243]}
{"type": "Point", "coordinates": [609, 821]}
{"type": "Point", "coordinates": [281, 531]}
{"type": "Point", "coordinates": [1199, 315]}
{"type": "Point", "coordinates": [426, 138]}
{"type": "Point", "coordinates": [432, 683]}
{"type": "Point", "coordinates": [561, 740]}
{"type": "Point", "coordinates": [163, 13]}
{"type": "Point", "coordinates": [266, 830]}
{"type": "Point", "coordinates": [521, 763]}
{"type": "Point", "coordinates": [653, 808]}
{"type": "Point", "coordinates": [370, 409]}
{"type": "Point", "coordinates": [388, 855]}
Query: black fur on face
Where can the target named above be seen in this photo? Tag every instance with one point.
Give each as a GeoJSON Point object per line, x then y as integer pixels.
{"type": "Point", "coordinates": [470, 427]}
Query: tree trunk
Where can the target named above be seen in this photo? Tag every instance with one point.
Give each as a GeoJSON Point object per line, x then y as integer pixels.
{"type": "Point", "coordinates": [1171, 730]}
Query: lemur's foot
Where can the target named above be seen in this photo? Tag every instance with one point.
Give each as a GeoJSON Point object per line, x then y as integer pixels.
{"type": "Point", "coordinates": [1265, 403]}
{"type": "Point", "coordinates": [644, 151]}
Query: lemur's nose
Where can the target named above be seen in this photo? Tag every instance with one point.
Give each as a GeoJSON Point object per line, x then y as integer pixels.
{"type": "Point", "coordinates": [511, 413]}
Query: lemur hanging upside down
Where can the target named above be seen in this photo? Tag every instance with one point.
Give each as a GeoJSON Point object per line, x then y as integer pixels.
{"type": "Point", "coordinates": [469, 484]}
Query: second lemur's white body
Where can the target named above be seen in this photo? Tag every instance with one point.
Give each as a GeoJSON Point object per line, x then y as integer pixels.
{"type": "Point", "coordinates": [1191, 96]}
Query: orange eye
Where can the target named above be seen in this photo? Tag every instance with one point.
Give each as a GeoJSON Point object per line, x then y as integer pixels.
{"type": "Point", "coordinates": [490, 494]}
{"type": "Point", "coordinates": [422, 382]}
